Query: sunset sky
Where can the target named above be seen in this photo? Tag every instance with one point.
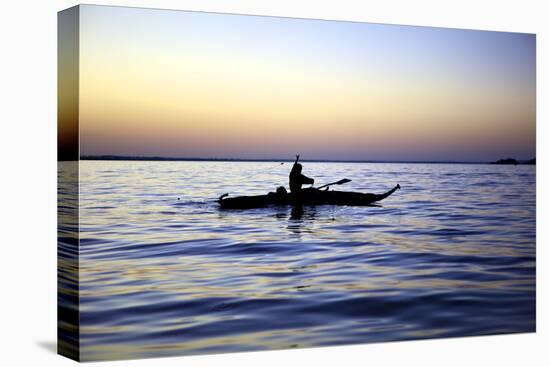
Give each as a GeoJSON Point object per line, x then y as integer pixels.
{"type": "Point", "coordinates": [189, 84]}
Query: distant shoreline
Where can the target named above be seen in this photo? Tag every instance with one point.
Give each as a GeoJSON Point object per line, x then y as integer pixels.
{"type": "Point", "coordinates": [196, 159]}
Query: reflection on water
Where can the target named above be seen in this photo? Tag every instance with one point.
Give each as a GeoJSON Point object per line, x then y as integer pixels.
{"type": "Point", "coordinates": [163, 271]}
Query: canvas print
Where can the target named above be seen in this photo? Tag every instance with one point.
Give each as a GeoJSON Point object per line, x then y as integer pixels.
{"type": "Point", "coordinates": [234, 183]}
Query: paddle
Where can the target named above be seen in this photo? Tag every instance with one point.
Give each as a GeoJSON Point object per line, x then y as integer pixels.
{"type": "Point", "coordinates": [341, 182]}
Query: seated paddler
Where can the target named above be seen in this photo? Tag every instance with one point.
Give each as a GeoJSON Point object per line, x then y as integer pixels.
{"type": "Point", "coordinates": [296, 179]}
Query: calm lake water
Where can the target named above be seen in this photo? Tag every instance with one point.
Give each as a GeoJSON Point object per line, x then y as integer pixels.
{"type": "Point", "coordinates": [163, 271]}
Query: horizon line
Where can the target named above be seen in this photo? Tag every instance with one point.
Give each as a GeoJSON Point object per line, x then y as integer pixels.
{"type": "Point", "coordinates": [111, 157]}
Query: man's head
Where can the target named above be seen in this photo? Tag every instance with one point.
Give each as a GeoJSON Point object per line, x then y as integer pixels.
{"type": "Point", "coordinates": [297, 168]}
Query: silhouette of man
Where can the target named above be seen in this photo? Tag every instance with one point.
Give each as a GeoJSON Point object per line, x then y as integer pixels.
{"type": "Point", "coordinates": [296, 179]}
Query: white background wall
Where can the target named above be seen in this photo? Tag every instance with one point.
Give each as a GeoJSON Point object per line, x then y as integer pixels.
{"type": "Point", "coordinates": [28, 182]}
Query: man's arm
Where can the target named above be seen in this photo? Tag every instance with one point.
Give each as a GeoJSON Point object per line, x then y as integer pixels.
{"type": "Point", "coordinates": [306, 180]}
{"type": "Point", "coordinates": [297, 158]}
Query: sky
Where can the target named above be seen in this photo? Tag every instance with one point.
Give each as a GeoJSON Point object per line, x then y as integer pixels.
{"type": "Point", "coordinates": [191, 84]}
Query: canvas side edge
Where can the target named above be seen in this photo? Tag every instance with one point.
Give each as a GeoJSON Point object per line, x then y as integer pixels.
{"type": "Point", "coordinates": [68, 298]}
